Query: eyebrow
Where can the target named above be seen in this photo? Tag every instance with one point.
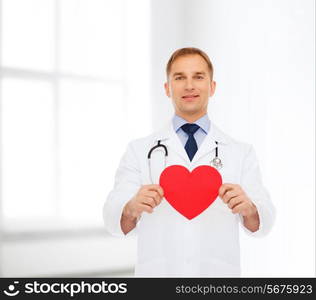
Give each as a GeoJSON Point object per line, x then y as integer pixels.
{"type": "Point", "coordinates": [181, 73]}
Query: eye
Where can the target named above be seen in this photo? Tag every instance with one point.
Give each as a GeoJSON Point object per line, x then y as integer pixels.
{"type": "Point", "coordinates": [179, 78]}
{"type": "Point", "coordinates": [199, 77]}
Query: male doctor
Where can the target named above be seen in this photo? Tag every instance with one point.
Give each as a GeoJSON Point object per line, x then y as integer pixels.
{"type": "Point", "coordinates": [170, 245]}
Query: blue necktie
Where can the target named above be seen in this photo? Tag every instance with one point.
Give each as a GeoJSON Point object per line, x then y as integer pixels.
{"type": "Point", "coordinates": [191, 145]}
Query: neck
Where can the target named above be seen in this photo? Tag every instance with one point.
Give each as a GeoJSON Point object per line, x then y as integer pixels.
{"type": "Point", "coordinates": [191, 118]}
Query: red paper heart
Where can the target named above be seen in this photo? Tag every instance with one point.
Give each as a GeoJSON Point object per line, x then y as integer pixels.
{"type": "Point", "coordinates": [190, 193]}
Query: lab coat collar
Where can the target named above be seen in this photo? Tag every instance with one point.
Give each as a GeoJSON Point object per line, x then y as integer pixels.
{"type": "Point", "coordinates": [169, 137]}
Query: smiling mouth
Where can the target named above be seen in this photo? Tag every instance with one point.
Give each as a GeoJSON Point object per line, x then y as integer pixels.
{"type": "Point", "coordinates": [190, 97]}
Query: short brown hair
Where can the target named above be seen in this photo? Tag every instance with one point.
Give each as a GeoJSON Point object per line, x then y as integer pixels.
{"type": "Point", "coordinates": [189, 51]}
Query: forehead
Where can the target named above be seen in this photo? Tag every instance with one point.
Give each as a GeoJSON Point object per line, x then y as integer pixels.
{"type": "Point", "coordinates": [188, 64]}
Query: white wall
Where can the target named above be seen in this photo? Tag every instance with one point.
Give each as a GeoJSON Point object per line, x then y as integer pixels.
{"type": "Point", "coordinates": [166, 35]}
{"type": "Point", "coordinates": [263, 54]}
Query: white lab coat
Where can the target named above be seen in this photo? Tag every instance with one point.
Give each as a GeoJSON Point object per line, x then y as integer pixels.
{"type": "Point", "coordinates": [169, 245]}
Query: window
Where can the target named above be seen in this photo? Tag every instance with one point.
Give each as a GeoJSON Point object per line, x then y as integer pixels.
{"type": "Point", "coordinates": [70, 71]}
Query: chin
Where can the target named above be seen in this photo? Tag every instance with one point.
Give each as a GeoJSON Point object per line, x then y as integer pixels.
{"type": "Point", "coordinates": [190, 111]}
{"type": "Point", "coordinates": [191, 107]}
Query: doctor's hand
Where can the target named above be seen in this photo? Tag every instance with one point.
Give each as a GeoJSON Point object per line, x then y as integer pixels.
{"type": "Point", "coordinates": [146, 199]}
{"type": "Point", "coordinates": [238, 201]}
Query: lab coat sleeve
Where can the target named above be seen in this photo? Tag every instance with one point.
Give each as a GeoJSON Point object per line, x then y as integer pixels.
{"type": "Point", "coordinates": [251, 183]}
{"type": "Point", "coordinates": [127, 182]}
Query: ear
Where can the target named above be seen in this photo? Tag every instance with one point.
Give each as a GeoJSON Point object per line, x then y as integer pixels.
{"type": "Point", "coordinates": [167, 90]}
{"type": "Point", "coordinates": [212, 88]}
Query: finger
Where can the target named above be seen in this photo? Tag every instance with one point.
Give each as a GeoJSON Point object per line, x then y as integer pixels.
{"type": "Point", "coordinates": [155, 195]}
{"type": "Point", "coordinates": [229, 195]}
{"type": "Point", "coordinates": [228, 187]}
{"type": "Point", "coordinates": [146, 208]}
{"type": "Point", "coordinates": [149, 201]}
{"type": "Point", "coordinates": [157, 188]}
{"type": "Point", "coordinates": [235, 201]}
{"type": "Point", "coordinates": [223, 189]}
{"type": "Point", "coordinates": [240, 208]}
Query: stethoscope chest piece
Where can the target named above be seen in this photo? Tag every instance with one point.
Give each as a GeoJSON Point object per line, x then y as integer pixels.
{"type": "Point", "coordinates": [216, 163]}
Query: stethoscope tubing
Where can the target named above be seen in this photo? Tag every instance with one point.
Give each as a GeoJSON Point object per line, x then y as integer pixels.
{"type": "Point", "coordinates": [216, 161]}
{"type": "Point", "coordinates": [166, 149]}
{"type": "Point", "coordinates": [157, 146]}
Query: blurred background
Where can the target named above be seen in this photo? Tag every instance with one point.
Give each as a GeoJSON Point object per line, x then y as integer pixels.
{"type": "Point", "coordinates": [79, 79]}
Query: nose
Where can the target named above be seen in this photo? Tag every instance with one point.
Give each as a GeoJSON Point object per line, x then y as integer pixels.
{"type": "Point", "coordinates": [189, 85]}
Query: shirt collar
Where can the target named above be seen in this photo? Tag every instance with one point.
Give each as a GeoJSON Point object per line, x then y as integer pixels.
{"type": "Point", "coordinates": [203, 122]}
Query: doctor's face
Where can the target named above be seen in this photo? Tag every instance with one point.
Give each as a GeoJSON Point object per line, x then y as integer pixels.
{"type": "Point", "coordinates": [189, 86]}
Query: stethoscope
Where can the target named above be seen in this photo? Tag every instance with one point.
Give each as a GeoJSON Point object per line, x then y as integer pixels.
{"type": "Point", "coordinates": [216, 162]}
